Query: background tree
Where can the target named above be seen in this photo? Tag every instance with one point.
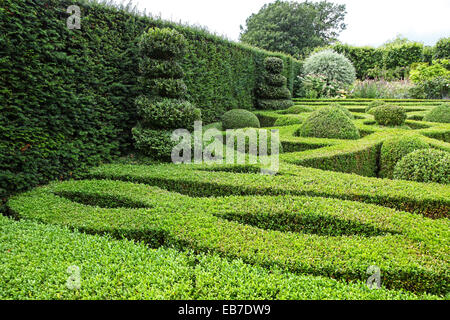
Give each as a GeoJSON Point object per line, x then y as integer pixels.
{"type": "Point", "coordinates": [294, 28]}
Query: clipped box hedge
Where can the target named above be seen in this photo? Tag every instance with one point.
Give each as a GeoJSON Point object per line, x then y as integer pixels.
{"type": "Point", "coordinates": [110, 268]}
{"type": "Point", "coordinates": [317, 236]}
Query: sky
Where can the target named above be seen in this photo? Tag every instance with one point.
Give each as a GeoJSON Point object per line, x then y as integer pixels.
{"type": "Point", "coordinates": [369, 22]}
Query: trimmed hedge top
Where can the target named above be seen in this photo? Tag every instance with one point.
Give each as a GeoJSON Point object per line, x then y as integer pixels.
{"type": "Point", "coordinates": [426, 165]}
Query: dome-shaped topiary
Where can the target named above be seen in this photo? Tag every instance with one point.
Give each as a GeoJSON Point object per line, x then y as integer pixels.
{"type": "Point", "coordinates": [239, 118]}
{"type": "Point", "coordinates": [344, 109]}
{"type": "Point", "coordinates": [390, 115]}
{"type": "Point", "coordinates": [334, 66]}
{"type": "Point", "coordinates": [297, 109]}
{"type": "Point", "coordinates": [440, 113]}
{"type": "Point", "coordinates": [427, 165]}
{"type": "Point", "coordinates": [374, 104]}
{"type": "Point", "coordinates": [395, 149]}
{"type": "Point", "coordinates": [331, 123]}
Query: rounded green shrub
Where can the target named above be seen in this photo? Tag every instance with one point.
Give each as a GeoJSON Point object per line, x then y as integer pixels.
{"type": "Point", "coordinates": [333, 66]}
{"type": "Point", "coordinates": [273, 65]}
{"type": "Point", "coordinates": [395, 149]}
{"type": "Point", "coordinates": [287, 121]}
{"type": "Point", "coordinates": [375, 104]}
{"type": "Point", "coordinates": [297, 109]}
{"type": "Point", "coordinates": [427, 165]}
{"type": "Point", "coordinates": [165, 113]}
{"type": "Point", "coordinates": [344, 109]}
{"type": "Point", "coordinates": [390, 115]}
{"type": "Point", "coordinates": [440, 113]}
{"type": "Point", "coordinates": [239, 118]}
{"type": "Point", "coordinates": [274, 104]}
{"type": "Point", "coordinates": [163, 44]}
{"type": "Point", "coordinates": [331, 123]}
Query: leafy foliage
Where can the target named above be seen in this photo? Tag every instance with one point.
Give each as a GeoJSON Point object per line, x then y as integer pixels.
{"type": "Point", "coordinates": [388, 115]}
{"type": "Point", "coordinates": [426, 165]}
{"type": "Point", "coordinates": [296, 109]}
{"type": "Point", "coordinates": [294, 28]}
{"type": "Point", "coordinates": [239, 118]}
{"type": "Point", "coordinates": [153, 273]}
{"type": "Point", "coordinates": [442, 49]}
{"type": "Point", "coordinates": [395, 149]}
{"type": "Point", "coordinates": [439, 114]}
{"type": "Point", "coordinates": [332, 65]}
{"type": "Point", "coordinates": [273, 91]}
{"type": "Point", "coordinates": [331, 123]}
{"type": "Point", "coordinates": [163, 108]}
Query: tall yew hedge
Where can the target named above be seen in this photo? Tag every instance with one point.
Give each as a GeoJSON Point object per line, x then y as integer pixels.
{"type": "Point", "coordinates": [67, 96]}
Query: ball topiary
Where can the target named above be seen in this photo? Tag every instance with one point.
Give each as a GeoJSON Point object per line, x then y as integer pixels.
{"type": "Point", "coordinates": [164, 44]}
{"type": "Point", "coordinates": [334, 67]}
{"type": "Point", "coordinates": [395, 149]}
{"type": "Point", "coordinates": [297, 109]}
{"type": "Point", "coordinates": [287, 121]}
{"type": "Point", "coordinates": [390, 115]}
{"type": "Point", "coordinates": [426, 165]}
{"type": "Point", "coordinates": [344, 109]}
{"type": "Point", "coordinates": [374, 104]}
{"type": "Point", "coordinates": [239, 118]}
{"type": "Point", "coordinates": [331, 123]}
{"type": "Point", "coordinates": [273, 65]}
{"type": "Point", "coordinates": [440, 113]}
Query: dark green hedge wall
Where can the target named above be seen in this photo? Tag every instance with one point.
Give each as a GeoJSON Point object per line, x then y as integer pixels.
{"type": "Point", "coordinates": [388, 58]}
{"type": "Point", "coordinates": [67, 96]}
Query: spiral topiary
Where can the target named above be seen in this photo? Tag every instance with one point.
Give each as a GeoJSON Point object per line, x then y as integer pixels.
{"type": "Point", "coordinates": [273, 93]}
{"type": "Point", "coordinates": [239, 118]}
{"type": "Point", "coordinates": [329, 122]}
{"type": "Point", "coordinates": [163, 107]}
{"type": "Point", "coordinates": [426, 165]}
{"type": "Point", "coordinates": [395, 149]}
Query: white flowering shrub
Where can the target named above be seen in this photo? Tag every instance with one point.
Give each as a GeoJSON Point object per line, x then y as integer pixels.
{"type": "Point", "coordinates": [333, 66]}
